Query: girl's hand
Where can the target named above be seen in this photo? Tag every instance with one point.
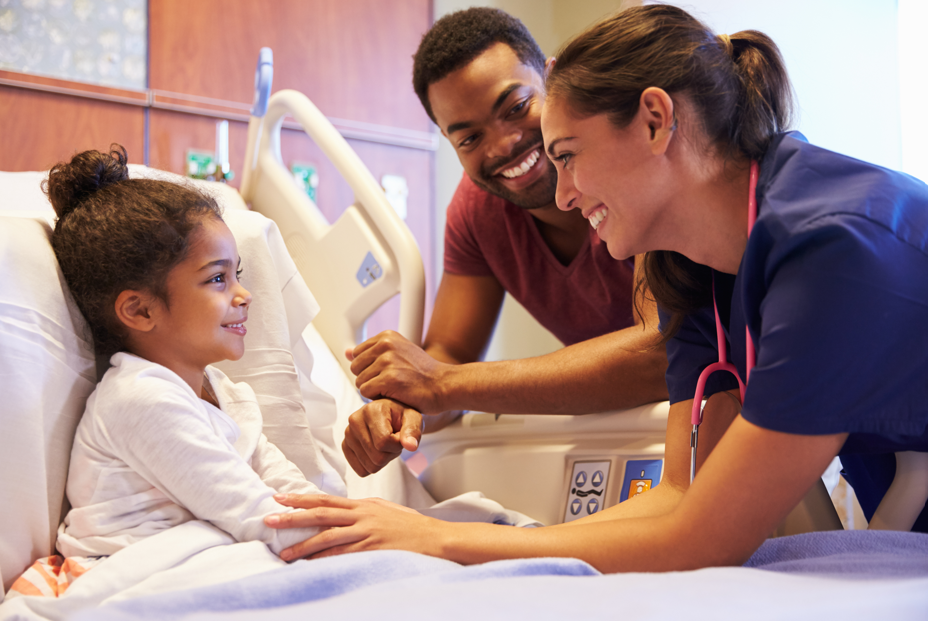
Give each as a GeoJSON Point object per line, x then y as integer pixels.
{"type": "Point", "coordinates": [354, 526]}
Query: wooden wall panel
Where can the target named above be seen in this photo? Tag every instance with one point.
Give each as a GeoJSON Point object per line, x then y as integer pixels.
{"type": "Point", "coordinates": [39, 129]}
{"type": "Point", "coordinates": [353, 58]}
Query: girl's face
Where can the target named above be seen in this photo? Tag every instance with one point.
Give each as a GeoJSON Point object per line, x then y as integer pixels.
{"type": "Point", "coordinates": [204, 319]}
{"type": "Point", "coordinates": [604, 172]}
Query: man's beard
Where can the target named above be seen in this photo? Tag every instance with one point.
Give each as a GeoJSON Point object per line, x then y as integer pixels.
{"type": "Point", "coordinates": [540, 194]}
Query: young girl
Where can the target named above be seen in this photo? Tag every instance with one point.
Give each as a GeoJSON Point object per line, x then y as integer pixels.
{"type": "Point", "coordinates": [165, 438]}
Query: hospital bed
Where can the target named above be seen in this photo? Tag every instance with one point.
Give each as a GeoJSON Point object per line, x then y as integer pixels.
{"type": "Point", "coordinates": [301, 267]}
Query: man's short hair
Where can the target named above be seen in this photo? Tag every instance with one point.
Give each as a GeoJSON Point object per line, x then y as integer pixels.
{"type": "Point", "coordinates": [460, 37]}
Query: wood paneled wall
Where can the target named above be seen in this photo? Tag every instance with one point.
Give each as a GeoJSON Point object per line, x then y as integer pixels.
{"type": "Point", "coordinates": [39, 129]}
{"type": "Point", "coordinates": [352, 58]}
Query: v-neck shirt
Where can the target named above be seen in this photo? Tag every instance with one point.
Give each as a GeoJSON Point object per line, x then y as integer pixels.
{"type": "Point", "coordinates": [833, 286]}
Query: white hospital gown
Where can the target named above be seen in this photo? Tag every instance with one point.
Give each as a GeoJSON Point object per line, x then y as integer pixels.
{"type": "Point", "coordinates": [149, 454]}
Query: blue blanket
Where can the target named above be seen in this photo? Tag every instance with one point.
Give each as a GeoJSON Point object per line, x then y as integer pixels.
{"type": "Point", "coordinates": [855, 553]}
{"type": "Point", "coordinates": [855, 573]}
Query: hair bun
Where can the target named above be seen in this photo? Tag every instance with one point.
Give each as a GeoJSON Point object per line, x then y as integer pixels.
{"type": "Point", "coordinates": [70, 183]}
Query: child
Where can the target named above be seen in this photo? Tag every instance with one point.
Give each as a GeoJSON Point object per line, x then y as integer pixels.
{"type": "Point", "coordinates": [165, 437]}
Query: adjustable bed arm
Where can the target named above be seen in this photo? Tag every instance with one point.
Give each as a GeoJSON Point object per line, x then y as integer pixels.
{"type": "Point", "coordinates": [354, 265]}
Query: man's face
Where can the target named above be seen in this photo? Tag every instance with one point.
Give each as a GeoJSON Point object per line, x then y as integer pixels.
{"type": "Point", "coordinates": [490, 110]}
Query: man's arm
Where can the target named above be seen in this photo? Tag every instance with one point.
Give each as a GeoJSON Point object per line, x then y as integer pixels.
{"type": "Point", "coordinates": [465, 313]}
{"type": "Point", "coordinates": [613, 371]}
{"type": "Point", "coordinates": [463, 318]}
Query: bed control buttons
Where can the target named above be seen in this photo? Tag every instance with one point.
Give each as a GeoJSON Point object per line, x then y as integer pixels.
{"type": "Point", "coordinates": [586, 493]}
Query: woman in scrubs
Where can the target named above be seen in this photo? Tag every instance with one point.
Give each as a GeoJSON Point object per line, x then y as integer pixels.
{"type": "Point", "coordinates": [655, 125]}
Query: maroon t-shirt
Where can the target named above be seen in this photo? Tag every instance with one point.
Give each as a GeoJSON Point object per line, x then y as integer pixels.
{"type": "Point", "coordinates": [488, 236]}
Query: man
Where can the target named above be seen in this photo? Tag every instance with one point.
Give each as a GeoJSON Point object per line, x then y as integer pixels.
{"type": "Point", "coordinates": [480, 76]}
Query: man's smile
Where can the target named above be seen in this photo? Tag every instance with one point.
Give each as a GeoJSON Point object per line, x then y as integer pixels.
{"type": "Point", "coordinates": [520, 169]}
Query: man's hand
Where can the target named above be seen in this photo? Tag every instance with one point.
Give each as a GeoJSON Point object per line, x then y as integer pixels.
{"type": "Point", "coordinates": [389, 365]}
{"type": "Point", "coordinates": [378, 433]}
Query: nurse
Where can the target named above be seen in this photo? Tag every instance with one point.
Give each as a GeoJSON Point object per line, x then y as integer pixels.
{"type": "Point", "coordinates": [666, 137]}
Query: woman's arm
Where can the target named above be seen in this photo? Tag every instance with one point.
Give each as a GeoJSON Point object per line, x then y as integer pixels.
{"type": "Point", "coordinates": [720, 410]}
{"type": "Point", "coordinates": [745, 488]}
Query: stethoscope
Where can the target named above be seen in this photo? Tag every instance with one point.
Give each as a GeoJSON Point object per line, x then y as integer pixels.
{"type": "Point", "coordinates": [723, 364]}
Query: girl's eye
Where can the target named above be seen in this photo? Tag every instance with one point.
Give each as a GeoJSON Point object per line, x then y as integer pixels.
{"type": "Point", "coordinates": [238, 273]}
{"type": "Point", "coordinates": [563, 158]}
{"type": "Point", "coordinates": [218, 278]}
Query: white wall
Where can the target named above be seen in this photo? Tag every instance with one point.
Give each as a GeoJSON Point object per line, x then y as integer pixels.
{"type": "Point", "coordinates": [913, 71]}
{"type": "Point", "coordinates": [842, 56]}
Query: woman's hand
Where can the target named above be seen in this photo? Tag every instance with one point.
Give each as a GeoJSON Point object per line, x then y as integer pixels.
{"type": "Point", "coordinates": [354, 526]}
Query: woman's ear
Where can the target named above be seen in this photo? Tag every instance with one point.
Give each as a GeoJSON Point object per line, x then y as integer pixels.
{"type": "Point", "coordinates": [658, 110]}
{"type": "Point", "coordinates": [549, 65]}
{"type": "Point", "coordinates": [136, 310]}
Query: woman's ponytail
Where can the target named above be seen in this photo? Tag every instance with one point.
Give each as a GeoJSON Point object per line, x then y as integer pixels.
{"type": "Point", "coordinates": [765, 98]}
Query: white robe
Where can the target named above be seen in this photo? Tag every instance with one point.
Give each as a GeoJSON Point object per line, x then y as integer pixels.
{"type": "Point", "coordinates": [149, 454]}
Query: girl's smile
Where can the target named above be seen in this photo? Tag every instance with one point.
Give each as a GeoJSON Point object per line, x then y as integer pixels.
{"type": "Point", "coordinates": [203, 320]}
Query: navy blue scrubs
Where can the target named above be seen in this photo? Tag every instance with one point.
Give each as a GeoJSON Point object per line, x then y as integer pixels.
{"type": "Point", "coordinates": [833, 286]}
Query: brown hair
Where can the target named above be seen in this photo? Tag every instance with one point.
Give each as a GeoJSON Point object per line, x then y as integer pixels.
{"type": "Point", "coordinates": [115, 233]}
{"type": "Point", "coordinates": [736, 86]}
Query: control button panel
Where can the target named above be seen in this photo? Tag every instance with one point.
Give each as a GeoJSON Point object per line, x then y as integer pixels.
{"type": "Point", "coordinates": [585, 495]}
{"type": "Point", "coordinates": [640, 476]}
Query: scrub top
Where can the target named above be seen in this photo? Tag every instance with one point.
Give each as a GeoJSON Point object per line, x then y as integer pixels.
{"type": "Point", "coordinates": [833, 286]}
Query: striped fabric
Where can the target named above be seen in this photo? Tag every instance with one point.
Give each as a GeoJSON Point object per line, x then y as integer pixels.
{"type": "Point", "coordinates": [51, 576]}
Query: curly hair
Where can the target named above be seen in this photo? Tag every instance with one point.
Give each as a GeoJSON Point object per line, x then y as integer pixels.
{"type": "Point", "coordinates": [458, 38]}
{"type": "Point", "coordinates": [114, 233]}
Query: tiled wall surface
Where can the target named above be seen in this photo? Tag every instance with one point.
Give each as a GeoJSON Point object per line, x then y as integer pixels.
{"type": "Point", "coordinates": [102, 42]}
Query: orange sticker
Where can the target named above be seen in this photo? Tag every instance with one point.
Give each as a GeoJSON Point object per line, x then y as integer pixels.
{"type": "Point", "coordinates": [638, 486]}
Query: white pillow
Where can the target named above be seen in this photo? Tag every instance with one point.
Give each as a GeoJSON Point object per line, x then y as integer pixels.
{"type": "Point", "coordinates": [47, 371]}
{"type": "Point", "coordinates": [22, 194]}
{"type": "Point", "coordinates": [227, 197]}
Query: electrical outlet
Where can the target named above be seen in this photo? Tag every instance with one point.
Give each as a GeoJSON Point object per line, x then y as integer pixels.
{"type": "Point", "coordinates": [307, 178]}
{"type": "Point", "coordinates": [200, 164]}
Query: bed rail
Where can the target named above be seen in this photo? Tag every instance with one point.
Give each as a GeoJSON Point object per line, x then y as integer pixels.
{"type": "Point", "coordinates": [355, 264]}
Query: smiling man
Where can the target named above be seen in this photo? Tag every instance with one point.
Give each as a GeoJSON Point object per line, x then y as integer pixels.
{"type": "Point", "coordinates": [480, 76]}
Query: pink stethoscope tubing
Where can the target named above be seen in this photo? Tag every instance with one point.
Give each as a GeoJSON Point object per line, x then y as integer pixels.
{"type": "Point", "coordinates": [723, 364]}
